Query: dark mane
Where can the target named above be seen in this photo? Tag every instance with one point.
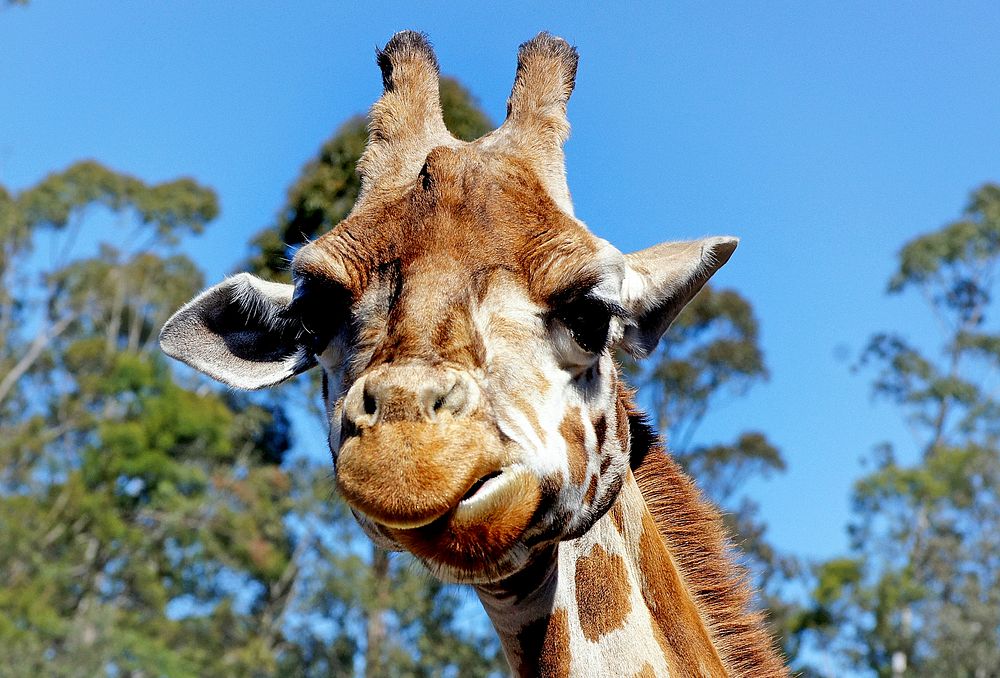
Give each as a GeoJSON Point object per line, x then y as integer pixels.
{"type": "Point", "coordinates": [693, 532]}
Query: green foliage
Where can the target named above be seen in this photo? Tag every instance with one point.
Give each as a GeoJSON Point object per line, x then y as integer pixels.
{"type": "Point", "coordinates": [168, 208]}
{"type": "Point", "coordinates": [122, 492]}
{"type": "Point", "coordinates": [462, 115]}
{"type": "Point", "coordinates": [710, 351]}
{"type": "Point", "coordinates": [954, 263]}
{"type": "Point", "coordinates": [924, 581]}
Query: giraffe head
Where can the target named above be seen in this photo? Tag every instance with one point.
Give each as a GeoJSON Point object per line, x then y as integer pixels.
{"type": "Point", "coordinates": [464, 321]}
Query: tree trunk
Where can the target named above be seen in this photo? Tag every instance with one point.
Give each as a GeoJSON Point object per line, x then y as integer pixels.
{"type": "Point", "coordinates": [376, 615]}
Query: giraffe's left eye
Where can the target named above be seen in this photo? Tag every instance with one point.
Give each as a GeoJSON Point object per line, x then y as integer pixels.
{"type": "Point", "coordinates": [588, 320]}
{"type": "Point", "coordinates": [320, 310]}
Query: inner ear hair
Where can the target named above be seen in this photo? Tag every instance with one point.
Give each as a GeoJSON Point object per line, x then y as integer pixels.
{"type": "Point", "coordinates": [239, 333]}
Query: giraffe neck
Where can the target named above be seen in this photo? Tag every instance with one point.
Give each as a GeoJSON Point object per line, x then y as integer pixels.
{"type": "Point", "coordinates": [612, 602]}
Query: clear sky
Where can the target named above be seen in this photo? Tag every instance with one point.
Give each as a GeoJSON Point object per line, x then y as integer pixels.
{"type": "Point", "coordinates": [824, 134]}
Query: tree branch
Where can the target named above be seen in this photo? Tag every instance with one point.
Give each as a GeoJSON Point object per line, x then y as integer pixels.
{"type": "Point", "coordinates": [40, 343]}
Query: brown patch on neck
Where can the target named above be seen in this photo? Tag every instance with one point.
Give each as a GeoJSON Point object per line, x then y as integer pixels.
{"type": "Point", "coordinates": [602, 593]}
{"type": "Point", "coordinates": [646, 671]}
{"type": "Point", "coordinates": [685, 528]}
{"type": "Point", "coordinates": [545, 647]}
{"type": "Point", "coordinates": [572, 432]}
{"type": "Point", "coordinates": [588, 497]}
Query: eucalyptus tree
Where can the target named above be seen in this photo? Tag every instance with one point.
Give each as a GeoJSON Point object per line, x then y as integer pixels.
{"type": "Point", "coordinates": [920, 593]}
{"type": "Point", "coordinates": [710, 354]}
{"type": "Point", "coordinates": [143, 521]}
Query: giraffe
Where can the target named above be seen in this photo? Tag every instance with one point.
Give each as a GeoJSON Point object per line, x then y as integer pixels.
{"type": "Point", "coordinates": [464, 322]}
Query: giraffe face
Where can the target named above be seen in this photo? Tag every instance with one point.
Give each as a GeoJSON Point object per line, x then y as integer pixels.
{"type": "Point", "coordinates": [464, 321]}
{"type": "Point", "coordinates": [466, 352]}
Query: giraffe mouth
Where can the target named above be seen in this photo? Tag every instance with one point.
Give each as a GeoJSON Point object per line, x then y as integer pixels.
{"type": "Point", "coordinates": [487, 495]}
{"type": "Point", "coordinates": [481, 486]}
{"type": "Point", "coordinates": [472, 503]}
{"type": "Point", "coordinates": [480, 531]}
{"type": "Point", "coordinates": [406, 475]}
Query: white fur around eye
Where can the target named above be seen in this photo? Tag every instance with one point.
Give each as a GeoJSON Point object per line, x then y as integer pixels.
{"type": "Point", "coordinates": [569, 354]}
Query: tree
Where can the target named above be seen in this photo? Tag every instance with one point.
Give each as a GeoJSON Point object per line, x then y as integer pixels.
{"type": "Point", "coordinates": [921, 589]}
{"type": "Point", "coordinates": [121, 491]}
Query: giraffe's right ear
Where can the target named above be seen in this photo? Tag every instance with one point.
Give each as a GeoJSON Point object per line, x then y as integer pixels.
{"type": "Point", "coordinates": [661, 280]}
{"type": "Point", "coordinates": [237, 332]}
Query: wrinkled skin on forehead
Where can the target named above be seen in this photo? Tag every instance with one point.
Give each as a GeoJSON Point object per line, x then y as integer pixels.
{"type": "Point", "coordinates": [464, 272]}
{"type": "Point", "coordinates": [484, 210]}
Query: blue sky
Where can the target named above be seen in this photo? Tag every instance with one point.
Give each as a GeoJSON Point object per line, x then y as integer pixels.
{"type": "Point", "coordinates": [825, 135]}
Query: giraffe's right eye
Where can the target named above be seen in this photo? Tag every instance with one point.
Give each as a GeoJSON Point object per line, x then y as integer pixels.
{"type": "Point", "coordinates": [588, 319]}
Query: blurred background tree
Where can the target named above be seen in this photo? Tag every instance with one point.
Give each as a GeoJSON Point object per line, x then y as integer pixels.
{"type": "Point", "coordinates": [920, 594]}
{"type": "Point", "coordinates": [144, 522]}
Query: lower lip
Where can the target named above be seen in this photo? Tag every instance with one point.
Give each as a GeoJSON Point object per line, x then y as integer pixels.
{"type": "Point", "coordinates": [485, 498]}
{"type": "Point", "coordinates": [470, 508]}
{"type": "Point", "coordinates": [481, 532]}
{"type": "Point", "coordinates": [486, 487]}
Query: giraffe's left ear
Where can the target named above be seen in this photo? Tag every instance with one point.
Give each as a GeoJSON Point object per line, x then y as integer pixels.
{"type": "Point", "coordinates": [238, 332]}
{"type": "Point", "coordinates": [661, 280]}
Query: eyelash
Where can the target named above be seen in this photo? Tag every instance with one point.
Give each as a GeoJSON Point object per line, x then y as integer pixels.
{"type": "Point", "coordinates": [318, 325]}
{"type": "Point", "coordinates": [589, 321]}
{"type": "Point", "coordinates": [314, 342]}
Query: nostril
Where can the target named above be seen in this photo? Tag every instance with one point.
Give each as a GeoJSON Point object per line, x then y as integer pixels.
{"type": "Point", "coordinates": [368, 402]}
{"type": "Point", "coordinates": [448, 401]}
{"type": "Point", "coordinates": [348, 429]}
